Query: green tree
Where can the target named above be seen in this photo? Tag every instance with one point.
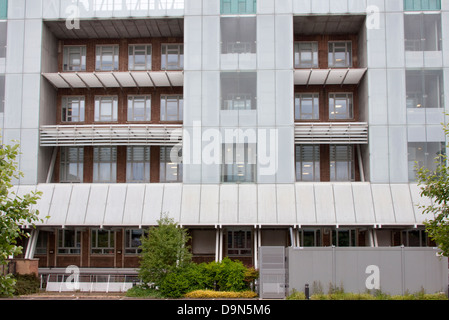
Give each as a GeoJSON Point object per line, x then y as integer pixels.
{"type": "Point", "coordinates": [434, 185]}
{"type": "Point", "coordinates": [164, 250]}
{"type": "Point", "coordinates": [14, 212]}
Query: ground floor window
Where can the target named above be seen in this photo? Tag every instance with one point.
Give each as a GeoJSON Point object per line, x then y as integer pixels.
{"type": "Point", "coordinates": [69, 241]}
{"type": "Point", "coordinates": [344, 237]}
{"type": "Point", "coordinates": [239, 242]}
{"type": "Point", "coordinates": [133, 241]}
{"type": "Point", "coordinates": [310, 237]}
{"type": "Point", "coordinates": [102, 241]}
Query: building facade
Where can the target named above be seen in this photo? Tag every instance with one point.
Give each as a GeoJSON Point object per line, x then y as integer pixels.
{"type": "Point", "coordinates": [249, 122]}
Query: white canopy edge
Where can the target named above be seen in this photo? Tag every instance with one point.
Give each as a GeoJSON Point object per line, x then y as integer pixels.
{"type": "Point", "coordinates": [116, 79]}
{"type": "Point", "coordinates": [338, 76]}
{"type": "Point", "coordinates": [295, 204]}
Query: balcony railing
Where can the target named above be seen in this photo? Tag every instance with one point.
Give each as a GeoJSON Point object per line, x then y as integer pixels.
{"type": "Point", "coordinates": [331, 133]}
{"type": "Point", "coordinates": [115, 134]}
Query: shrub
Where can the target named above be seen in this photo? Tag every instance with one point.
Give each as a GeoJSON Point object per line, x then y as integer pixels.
{"type": "Point", "coordinates": [26, 284]}
{"type": "Point", "coordinates": [296, 295]}
{"type": "Point", "coordinates": [210, 294]}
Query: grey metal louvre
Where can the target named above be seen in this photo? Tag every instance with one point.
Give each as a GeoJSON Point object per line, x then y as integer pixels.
{"type": "Point", "coordinates": [331, 133]}
{"type": "Point", "coordinates": [117, 134]}
{"type": "Point", "coordinates": [296, 204]}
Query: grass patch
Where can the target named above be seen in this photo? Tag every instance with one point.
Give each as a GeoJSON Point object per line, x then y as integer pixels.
{"type": "Point", "coordinates": [378, 295]}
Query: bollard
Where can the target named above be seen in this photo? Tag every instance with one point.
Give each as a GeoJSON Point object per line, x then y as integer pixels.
{"type": "Point", "coordinates": [306, 291]}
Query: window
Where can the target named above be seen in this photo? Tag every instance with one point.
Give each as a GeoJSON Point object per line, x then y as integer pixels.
{"type": "Point", "coordinates": [69, 241]}
{"type": "Point", "coordinates": [106, 108]}
{"type": "Point", "coordinates": [172, 57]}
{"type": "Point", "coordinates": [340, 54]}
{"type": "Point", "coordinates": [306, 54]}
{"type": "Point", "coordinates": [133, 241]}
{"type": "Point", "coordinates": [310, 237]}
{"type": "Point", "coordinates": [424, 88]}
{"type": "Point", "coordinates": [307, 106]}
{"type": "Point", "coordinates": [344, 237]}
{"type": "Point", "coordinates": [74, 58]}
{"type": "Point", "coordinates": [172, 107]}
{"type": "Point", "coordinates": [105, 164]}
{"type": "Point", "coordinates": [107, 58]}
{"type": "Point", "coordinates": [415, 238]}
{"type": "Point", "coordinates": [239, 242]}
{"type": "Point", "coordinates": [3, 9]}
{"type": "Point", "coordinates": [2, 93]}
{"type": "Point", "coordinates": [238, 90]}
{"type": "Point", "coordinates": [72, 109]}
{"type": "Point", "coordinates": [340, 106]}
{"type": "Point", "coordinates": [238, 6]}
{"type": "Point", "coordinates": [41, 243]}
{"type": "Point", "coordinates": [170, 164]}
{"type": "Point", "coordinates": [3, 36]}
{"type": "Point", "coordinates": [342, 163]}
{"type": "Point", "coordinates": [139, 108]}
{"type": "Point", "coordinates": [102, 241]}
{"type": "Point", "coordinates": [72, 159]}
{"type": "Point", "coordinates": [139, 57]}
{"type": "Point", "coordinates": [424, 154]}
{"type": "Point", "coordinates": [138, 164]}
{"type": "Point", "coordinates": [239, 162]}
{"type": "Point", "coordinates": [418, 5]}
{"type": "Point", "coordinates": [422, 32]}
{"type": "Point", "coordinates": [238, 35]}
{"type": "Point", "coordinates": [307, 163]}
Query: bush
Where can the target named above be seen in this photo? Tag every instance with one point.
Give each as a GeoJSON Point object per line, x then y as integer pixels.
{"type": "Point", "coordinates": [210, 294]}
{"type": "Point", "coordinates": [26, 284]}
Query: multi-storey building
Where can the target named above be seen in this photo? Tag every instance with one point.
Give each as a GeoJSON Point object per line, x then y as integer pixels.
{"type": "Point", "coordinates": [249, 122]}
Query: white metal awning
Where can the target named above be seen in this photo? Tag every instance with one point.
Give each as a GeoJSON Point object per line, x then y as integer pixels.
{"type": "Point", "coordinates": [115, 134]}
{"type": "Point", "coordinates": [331, 133]}
{"type": "Point", "coordinates": [116, 79]}
{"type": "Point", "coordinates": [328, 76]}
{"type": "Point", "coordinates": [296, 204]}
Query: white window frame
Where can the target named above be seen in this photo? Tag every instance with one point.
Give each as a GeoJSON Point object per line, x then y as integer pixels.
{"type": "Point", "coordinates": [347, 63]}
{"type": "Point", "coordinates": [70, 103]}
{"type": "Point", "coordinates": [99, 160]}
{"type": "Point", "coordinates": [334, 112]}
{"type": "Point", "coordinates": [103, 103]}
{"type": "Point", "coordinates": [300, 98]}
{"type": "Point", "coordinates": [68, 64]}
{"type": "Point", "coordinates": [144, 161]}
{"type": "Point", "coordinates": [313, 167]}
{"type": "Point", "coordinates": [349, 162]}
{"type": "Point", "coordinates": [170, 169]}
{"type": "Point", "coordinates": [146, 99]}
{"type": "Point", "coordinates": [177, 98]}
{"type": "Point", "coordinates": [166, 51]}
{"type": "Point", "coordinates": [66, 161]}
{"type": "Point", "coordinates": [314, 63]}
{"type": "Point", "coordinates": [239, 164]}
{"type": "Point", "coordinates": [132, 49]}
{"type": "Point", "coordinates": [100, 53]}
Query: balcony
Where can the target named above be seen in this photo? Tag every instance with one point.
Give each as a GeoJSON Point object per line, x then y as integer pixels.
{"type": "Point", "coordinates": [331, 133]}
{"type": "Point", "coordinates": [107, 135]}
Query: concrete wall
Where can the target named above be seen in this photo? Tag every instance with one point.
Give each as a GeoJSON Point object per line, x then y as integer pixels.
{"type": "Point", "coordinates": [397, 269]}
